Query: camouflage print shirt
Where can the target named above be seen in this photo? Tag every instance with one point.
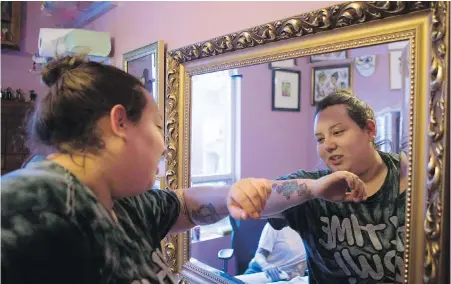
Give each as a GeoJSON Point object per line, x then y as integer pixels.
{"type": "Point", "coordinates": [352, 242]}
{"type": "Point", "coordinates": [54, 230]}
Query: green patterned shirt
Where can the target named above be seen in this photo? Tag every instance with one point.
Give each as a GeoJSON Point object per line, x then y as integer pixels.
{"type": "Point", "coordinates": [54, 230]}
{"type": "Point", "coordinates": [352, 242]}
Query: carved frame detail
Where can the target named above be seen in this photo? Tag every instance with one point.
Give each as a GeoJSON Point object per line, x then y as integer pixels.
{"type": "Point", "coordinates": [436, 221]}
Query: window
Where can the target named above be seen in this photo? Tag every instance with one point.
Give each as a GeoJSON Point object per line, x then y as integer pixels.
{"type": "Point", "coordinates": [388, 125]}
{"type": "Point", "coordinates": [214, 147]}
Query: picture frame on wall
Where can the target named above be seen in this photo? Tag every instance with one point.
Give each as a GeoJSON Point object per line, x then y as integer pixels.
{"type": "Point", "coordinates": [283, 64]}
{"type": "Point", "coordinates": [286, 90]}
{"type": "Point", "coordinates": [328, 79]}
{"type": "Point", "coordinates": [330, 56]}
{"type": "Point", "coordinates": [147, 64]}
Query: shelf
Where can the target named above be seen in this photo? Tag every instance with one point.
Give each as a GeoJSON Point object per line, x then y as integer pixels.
{"type": "Point", "coordinates": [10, 44]}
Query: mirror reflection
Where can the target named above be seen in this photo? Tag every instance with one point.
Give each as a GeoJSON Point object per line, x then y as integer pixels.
{"type": "Point", "coordinates": [260, 121]}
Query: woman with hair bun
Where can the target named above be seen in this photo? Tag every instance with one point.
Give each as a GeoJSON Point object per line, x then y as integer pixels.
{"type": "Point", "coordinates": [83, 211]}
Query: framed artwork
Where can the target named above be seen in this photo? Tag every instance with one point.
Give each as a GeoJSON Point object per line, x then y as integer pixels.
{"type": "Point", "coordinates": [331, 56]}
{"type": "Point", "coordinates": [7, 8]}
{"type": "Point", "coordinates": [289, 63]}
{"type": "Point", "coordinates": [286, 90]}
{"type": "Point", "coordinates": [11, 24]}
{"type": "Point", "coordinates": [147, 64]}
{"type": "Point", "coordinates": [328, 79]}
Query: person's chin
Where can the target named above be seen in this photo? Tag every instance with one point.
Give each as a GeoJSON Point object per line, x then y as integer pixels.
{"type": "Point", "coordinates": [340, 167]}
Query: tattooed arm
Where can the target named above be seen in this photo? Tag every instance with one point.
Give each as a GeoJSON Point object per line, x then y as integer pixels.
{"type": "Point", "coordinates": [286, 194]}
{"type": "Point", "coordinates": [261, 198]}
{"type": "Point", "coordinates": [289, 193]}
{"type": "Point", "coordinates": [201, 206]}
{"type": "Point", "coordinates": [207, 205]}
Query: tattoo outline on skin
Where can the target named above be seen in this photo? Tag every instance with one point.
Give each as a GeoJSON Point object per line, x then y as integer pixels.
{"type": "Point", "coordinates": [288, 188]}
{"type": "Point", "coordinates": [181, 197]}
{"type": "Point", "coordinates": [206, 214]}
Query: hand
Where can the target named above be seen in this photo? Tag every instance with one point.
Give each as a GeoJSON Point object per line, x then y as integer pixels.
{"type": "Point", "coordinates": [334, 187]}
{"type": "Point", "coordinates": [247, 198]}
{"type": "Point", "coordinates": [273, 273]}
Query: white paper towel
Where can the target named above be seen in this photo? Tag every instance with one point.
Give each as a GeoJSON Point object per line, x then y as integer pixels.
{"type": "Point", "coordinates": [51, 42]}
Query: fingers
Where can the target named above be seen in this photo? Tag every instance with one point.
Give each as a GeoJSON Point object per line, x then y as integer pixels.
{"type": "Point", "coordinates": [257, 195]}
{"type": "Point", "coordinates": [274, 274]}
{"type": "Point", "coordinates": [264, 188]}
{"type": "Point", "coordinates": [362, 190]}
{"type": "Point", "coordinates": [250, 196]}
{"type": "Point", "coordinates": [268, 186]}
{"type": "Point", "coordinates": [358, 188]}
{"type": "Point", "coordinates": [242, 201]}
{"type": "Point", "coordinates": [235, 210]}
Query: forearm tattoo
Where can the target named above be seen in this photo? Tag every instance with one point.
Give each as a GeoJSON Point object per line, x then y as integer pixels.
{"type": "Point", "coordinates": [289, 188]}
{"type": "Point", "coordinates": [181, 197]}
{"type": "Point", "coordinates": [206, 214]}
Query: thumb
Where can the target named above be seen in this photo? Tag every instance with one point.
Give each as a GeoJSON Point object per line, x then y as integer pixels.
{"type": "Point", "coordinates": [268, 186]}
{"type": "Point", "coordinates": [236, 211]}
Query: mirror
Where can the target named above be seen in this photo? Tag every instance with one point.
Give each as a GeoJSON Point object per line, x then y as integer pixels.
{"type": "Point", "coordinates": [258, 121]}
{"type": "Point", "coordinates": [147, 64]}
{"type": "Point", "coordinates": [328, 41]}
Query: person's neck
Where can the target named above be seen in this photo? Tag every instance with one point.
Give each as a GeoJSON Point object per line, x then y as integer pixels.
{"type": "Point", "coordinates": [377, 166]}
{"type": "Point", "coordinates": [88, 169]}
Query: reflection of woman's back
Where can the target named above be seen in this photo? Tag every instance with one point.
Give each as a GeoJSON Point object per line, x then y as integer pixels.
{"type": "Point", "coordinates": [279, 251]}
{"type": "Point", "coordinates": [288, 249]}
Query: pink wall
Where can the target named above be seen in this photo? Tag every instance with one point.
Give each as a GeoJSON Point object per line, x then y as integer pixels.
{"type": "Point", "coordinates": [135, 24]}
{"type": "Point", "coordinates": [16, 64]}
{"type": "Point", "coordinates": [274, 143]}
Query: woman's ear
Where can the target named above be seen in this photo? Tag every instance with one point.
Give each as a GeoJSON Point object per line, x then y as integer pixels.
{"type": "Point", "coordinates": [118, 120]}
{"type": "Point", "coordinates": [371, 129]}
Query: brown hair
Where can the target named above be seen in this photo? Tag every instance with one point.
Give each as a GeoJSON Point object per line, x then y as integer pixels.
{"type": "Point", "coordinates": [359, 111]}
{"type": "Point", "coordinates": [80, 93]}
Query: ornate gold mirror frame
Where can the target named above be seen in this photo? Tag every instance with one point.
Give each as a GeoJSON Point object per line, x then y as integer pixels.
{"type": "Point", "coordinates": [354, 24]}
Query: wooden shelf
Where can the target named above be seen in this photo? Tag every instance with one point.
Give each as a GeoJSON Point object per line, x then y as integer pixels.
{"type": "Point", "coordinates": [10, 44]}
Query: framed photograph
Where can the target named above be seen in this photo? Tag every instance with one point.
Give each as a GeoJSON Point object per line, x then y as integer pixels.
{"type": "Point", "coordinates": [328, 79]}
{"type": "Point", "coordinates": [331, 56]}
{"type": "Point", "coordinates": [289, 63]}
{"type": "Point", "coordinates": [7, 10]}
{"type": "Point", "coordinates": [286, 90]}
{"type": "Point", "coordinates": [147, 64]}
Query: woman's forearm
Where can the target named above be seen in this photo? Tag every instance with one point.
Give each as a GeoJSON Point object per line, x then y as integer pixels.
{"type": "Point", "coordinates": [260, 259]}
{"type": "Point", "coordinates": [249, 197]}
{"type": "Point", "coordinates": [207, 205]}
{"type": "Point", "coordinates": [286, 194]}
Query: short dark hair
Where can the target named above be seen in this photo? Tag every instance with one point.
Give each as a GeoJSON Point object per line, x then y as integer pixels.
{"type": "Point", "coordinates": [80, 93]}
{"type": "Point", "coordinates": [359, 111]}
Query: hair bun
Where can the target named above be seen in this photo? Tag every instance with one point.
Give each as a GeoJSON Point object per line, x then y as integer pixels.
{"type": "Point", "coordinates": [58, 66]}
